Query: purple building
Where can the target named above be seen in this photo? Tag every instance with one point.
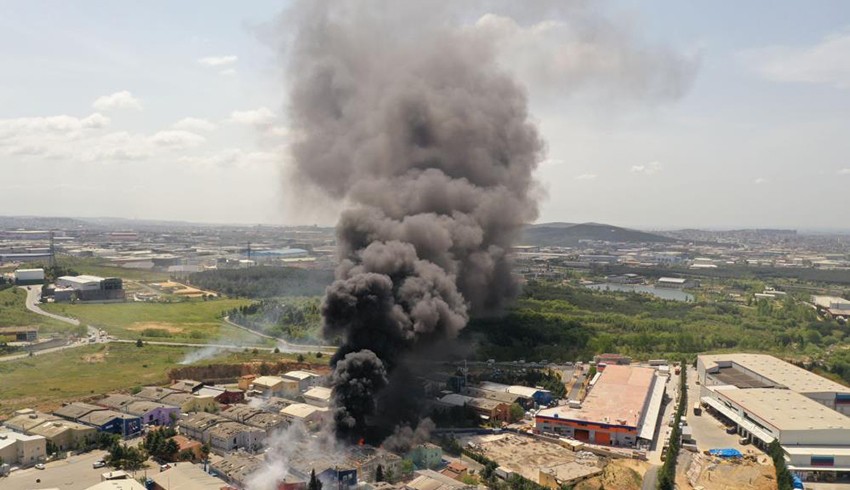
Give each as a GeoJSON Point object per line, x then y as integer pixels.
{"type": "Point", "coordinates": [153, 413]}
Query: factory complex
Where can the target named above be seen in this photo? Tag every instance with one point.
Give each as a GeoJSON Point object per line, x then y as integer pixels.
{"type": "Point", "coordinates": [767, 399]}
{"type": "Point", "coordinates": [621, 409]}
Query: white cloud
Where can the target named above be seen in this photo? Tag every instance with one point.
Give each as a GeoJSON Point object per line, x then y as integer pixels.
{"type": "Point", "coordinates": [177, 139]}
{"type": "Point", "coordinates": [228, 72]}
{"type": "Point", "coordinates": [117, 146]}
{"type": "Point", "coordinates": [575, 52]}
{"type": "Point", "coordinates": [50, 124]}
{"type": "Point", "coordinates": [551, 161]}
{"type": "Point", "coordinates": [233, 157]}
{"type": "Point", "coordinates": [586, 177]}
{"type": "Point", "coordinates": [262, 116]}
{"type": "Point", "coordinates": [194, 124]}
{"type": "Point", "coordinates": [119, 100]}
{"type": "Point", "coordinates": [759, 181]}
{"type": "Point", "coordinates": [827, 62]}
{"type": "Point", "coordinates": [648, 169]}
{"type": "Point", "coordinates": [844, 171]}
{"type": "Point", "coordinates": [218, 60]}
{"type": "Point", "coordinates": [27, 150]}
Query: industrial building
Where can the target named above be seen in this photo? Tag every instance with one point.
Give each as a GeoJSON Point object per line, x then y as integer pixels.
{"type": "Point", "coordinates": [318, 396]}
{"type": "Point", "coordinates": [18, 334]}
{"type": "Point", "coordinates": [768, 399]}
{"type": "Point", "coordinates": [622, 409]}
{"type": "Point", "coordinates": [185, 476]}
{"type": "Point", "coordinates": [29, 276]}
{"type": "Point", "coordinates": [763, 371]}
{"type": "Point", "coordinates": [103, 419]}
{"type": "Point", "coordinates": [89, 288]}
{"type": "Point", "coordinates": [21, 449]}
{"type": "Point", "coordinates": [305, 379]}
{"type": "Point", "coordinates": [304, 413]}
{"type": "Point", "coordinates": [269, 422]}
{"type": "Point", "coordinates": [832, 305]}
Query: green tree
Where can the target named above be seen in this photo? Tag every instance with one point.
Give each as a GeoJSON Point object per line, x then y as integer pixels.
{"type": "Point", "coordinates": [314, 484]}
{"type": "Point", "coordinates": [300, 357]}
{"type": "Point", "coordinates": [139, 343]}
{"type": "Point", "coordinates": [517, 412]}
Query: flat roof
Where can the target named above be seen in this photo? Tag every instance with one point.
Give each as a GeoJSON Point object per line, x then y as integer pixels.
{"type": "Point", "coordinates": [52, 428]}
{"type": "Point", "coordinates": [300, 375]}
{"type": "Point", "coordinates": [780, 372]}
{"type": "Point", "coordinates": [187, 476]}
{"type": "Point", "coordinates": [617, 398]}
{"type": "Point", "coordinates": [650, 418]}
{"type": "Point", "coordinates": [81, 279]}
{"type": "Point", "coordinates": [268, 381]}
{"type": "Point", "coordinates": [787, 410]}
{"type": "Point", "coordinates": [125, 484]}
{"type": "Point", "coordinates": [319, 392]}
{"type": "Point", "coordinates": [301, 410]}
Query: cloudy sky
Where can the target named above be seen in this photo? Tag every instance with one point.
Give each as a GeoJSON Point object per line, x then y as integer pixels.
{"type": "Point", "coordinates": [656, 114]}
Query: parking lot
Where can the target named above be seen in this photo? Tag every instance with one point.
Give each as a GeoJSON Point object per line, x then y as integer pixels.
{"type": "Point", "coordinates": [709, 432]}
{"type": "Point", "coordinates": [74, 473]}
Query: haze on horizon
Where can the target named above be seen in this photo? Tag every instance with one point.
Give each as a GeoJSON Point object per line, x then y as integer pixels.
{"type": "Point", "coordinates": [656, 115]}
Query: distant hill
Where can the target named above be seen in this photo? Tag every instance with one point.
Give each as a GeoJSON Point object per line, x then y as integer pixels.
{"type": "Point", "coordinates": [569, 234]}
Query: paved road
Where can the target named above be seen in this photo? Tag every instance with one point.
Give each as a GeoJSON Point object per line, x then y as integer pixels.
{"type": "Point", "coordinates": [33, 296]}
{"type": "Point", "coordinates": [74, 473]}
{"type": "Point", "coordinates": [650, 479]}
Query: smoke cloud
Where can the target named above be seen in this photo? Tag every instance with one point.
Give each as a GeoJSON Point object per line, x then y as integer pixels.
{"type": "Point", "coordinates": [405, 113]}
{"type": "Point", "coordinates": [430, 144]}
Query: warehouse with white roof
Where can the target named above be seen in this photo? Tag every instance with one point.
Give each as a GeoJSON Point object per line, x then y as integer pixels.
{"type": "Point", "coordinates": [769, 399]}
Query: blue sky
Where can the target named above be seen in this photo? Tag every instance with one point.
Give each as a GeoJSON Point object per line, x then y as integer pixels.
{"type": "Point", "coordinates": [95, 97]}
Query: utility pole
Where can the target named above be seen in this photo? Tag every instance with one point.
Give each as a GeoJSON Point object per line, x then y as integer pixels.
{"type": "Point", "coordinates": [52, 251]}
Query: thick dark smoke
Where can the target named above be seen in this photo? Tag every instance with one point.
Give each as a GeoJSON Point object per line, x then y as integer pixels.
{"type": "Point", "coordinates": [431, 145]}
{"type": "Point", "coordinates": [403, 112]}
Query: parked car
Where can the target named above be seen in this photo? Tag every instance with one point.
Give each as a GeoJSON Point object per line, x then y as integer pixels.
{"type": "Point", "coordinates": [98, 464]}
{"type": "Point", "coordinates": [39, 466]}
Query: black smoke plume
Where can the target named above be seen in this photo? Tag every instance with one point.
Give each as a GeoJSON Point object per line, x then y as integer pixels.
{"type": "Point", "coordinates": [431, 146]}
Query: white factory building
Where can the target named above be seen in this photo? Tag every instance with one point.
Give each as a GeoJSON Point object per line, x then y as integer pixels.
{"type": "Point", "coordinates": [29, 276]}
{"type": "Point", "coordinates": [767, 399]}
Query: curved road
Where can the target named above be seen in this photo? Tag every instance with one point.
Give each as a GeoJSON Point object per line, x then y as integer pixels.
{"type": "Point", "coordinates": [34, 293]}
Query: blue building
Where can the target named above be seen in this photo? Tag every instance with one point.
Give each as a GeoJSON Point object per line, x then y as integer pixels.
{"type": "Point", "coordinates": [101, 418]}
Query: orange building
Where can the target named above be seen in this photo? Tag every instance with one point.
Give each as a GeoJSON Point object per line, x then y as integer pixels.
{"type": "Point", "coordinates": [612, 414]}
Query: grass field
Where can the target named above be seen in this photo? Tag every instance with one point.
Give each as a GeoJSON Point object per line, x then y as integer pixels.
{"type": "Point", "coordinates": [14, 313]}
{"type": "Point", "coordinates": [194, 321]}
{"type": "Point", "coordinates": [98, 267]}
{"type": "Point", "coordinates": [48, 380]}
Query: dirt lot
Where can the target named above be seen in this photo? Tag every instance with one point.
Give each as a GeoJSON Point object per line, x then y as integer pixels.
{"type": "Point", "coordinates": [619, 474]}
{"type": "Point", "coordinates": [710, 473]}
{"type": "Point", "coordinates": [526, 455]}
{"type": "Point", "coordinates": [168, 327]}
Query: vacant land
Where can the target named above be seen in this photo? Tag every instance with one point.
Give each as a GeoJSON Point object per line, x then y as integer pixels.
{"type": "Point", "coordinates": [13, 313]}
{"type": "Point", "coordinates": [48, 380]}
{"type": "Point", "coordinates": [527, 456]}
{"type": "Point", "coordinates": [192, 322]}
{"type": "Point", "coordinates": [619, 474]}
{"type": "Point", "coordinates": [711, 473]}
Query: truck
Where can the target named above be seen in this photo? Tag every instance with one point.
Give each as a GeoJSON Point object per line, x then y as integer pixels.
{"type": "Point", "coordinates": [697, 409]}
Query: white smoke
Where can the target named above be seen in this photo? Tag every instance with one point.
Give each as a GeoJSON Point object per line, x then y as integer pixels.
{"type": "Point", "coordinates": [201, 354]}
{"type": "Point", "coordinates": [293, 443]}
